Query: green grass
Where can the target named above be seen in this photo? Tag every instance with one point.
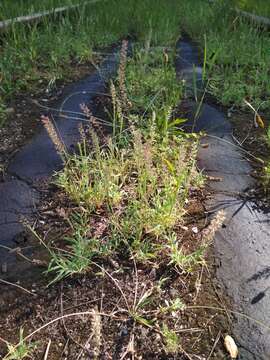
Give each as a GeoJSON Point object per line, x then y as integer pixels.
{"type": "Point", "coordinates": [139, 181]}
{"type": "Point", "coordinates": [23, 350]}
{"type": "Point", "coordinates": [237, 53]}
{"type": "Point", "coordinates": [32, 57]}
{"type": "Point", "coordinates": [11, 9]}
{"type": "Point", "coordinates": [258, 7]}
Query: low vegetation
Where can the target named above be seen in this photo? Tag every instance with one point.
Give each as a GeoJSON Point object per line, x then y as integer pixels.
{"type": "Point", "coordinates": [259, 7]}
{"type": "Point", "coordinates": [236, 53]}
{"type": "Point", "coordinates": [139, 179]}
{"type": "Point", "coordinates": [127, 196]}
{"type": "Point", "coordinates": [10, 10]}
{"type": "Point", "coordinates": [34, 58]}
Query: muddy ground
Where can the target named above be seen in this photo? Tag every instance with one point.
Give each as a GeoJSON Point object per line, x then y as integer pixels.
{"type": "Point", "coordinates": [252, 138]}
{"type": "Point", "coordinates": [25, 109]}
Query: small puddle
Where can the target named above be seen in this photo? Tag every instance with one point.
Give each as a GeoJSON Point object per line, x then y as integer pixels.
{"type": "Point", "coordinates": [242, 245]}
{"type": "Point", "coordinates": [37, 161]}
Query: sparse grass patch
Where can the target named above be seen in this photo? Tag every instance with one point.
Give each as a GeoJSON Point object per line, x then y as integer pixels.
{"type": "Point", "coordinates": [23, 350]}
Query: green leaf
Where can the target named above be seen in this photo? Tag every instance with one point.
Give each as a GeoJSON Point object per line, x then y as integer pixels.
{"type": "Point", "coordinates": [176, 122]}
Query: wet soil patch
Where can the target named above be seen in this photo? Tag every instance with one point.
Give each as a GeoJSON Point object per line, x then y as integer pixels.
{"type": "Point", "coordinates": [25, 109]}
{"type": "Point", "coordinates": [249, 136]}
{"type": "Point", "coordinates": [34, 163]}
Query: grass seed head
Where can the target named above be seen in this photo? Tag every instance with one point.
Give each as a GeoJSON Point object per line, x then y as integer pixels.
{"type": "Point", "coordinates": [215, 224]}
{"type": "Point", "coordinates": [96, 333]}
{"type": "Point", "coordinates": [92, 121]}
{"type": "Point", "coordinates": [50, 128]}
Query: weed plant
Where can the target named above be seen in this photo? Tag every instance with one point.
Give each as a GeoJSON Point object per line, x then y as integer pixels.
{"type": "Point", "coordinates": [141, 184]}
{"type": "Point", "coordinates": [128, 195]}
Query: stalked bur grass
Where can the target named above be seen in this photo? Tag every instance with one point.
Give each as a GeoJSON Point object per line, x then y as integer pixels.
{"type": "Point", "coordinates": [129, 196]}
{"type": "Point", "coordinates": [141, 183]}
{"type": "Point", "coordinates": [54, 136]}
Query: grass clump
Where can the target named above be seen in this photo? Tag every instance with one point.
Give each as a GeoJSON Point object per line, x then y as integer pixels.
{"type": "Point", "coordinates": [141, 190]}
{"type": "Point", "coordinates": [139, 179]}
{"type": "Point", "coordinates": [22, 350]}
{"type": "Point", "coordinates": [127, 196]}
{"type": "Point", "coordinates": [171, 340]}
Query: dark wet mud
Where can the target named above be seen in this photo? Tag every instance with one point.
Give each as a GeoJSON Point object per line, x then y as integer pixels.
{"type": "Point", "coordinates": [242, 245]}
{"type": "Point", "coordinates": [38, 160]}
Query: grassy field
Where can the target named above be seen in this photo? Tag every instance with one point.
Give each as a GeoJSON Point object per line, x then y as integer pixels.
{"type": "Point", "coordinates": [237, 54]}
{"type": "Point", "coordinates": [9, 10]}
{"type": "Point", "coordinates": [258, 7]}
{"type": "Point", "coordinates": [44, 51]}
